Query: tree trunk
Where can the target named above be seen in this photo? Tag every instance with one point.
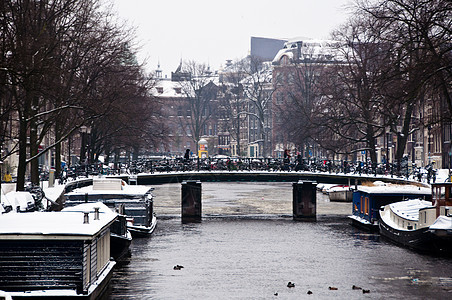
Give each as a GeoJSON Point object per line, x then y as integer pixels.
{"type": "Point", "coordinates": [22, 166]}
{"type": "Point", "coordinates": [57, 151]}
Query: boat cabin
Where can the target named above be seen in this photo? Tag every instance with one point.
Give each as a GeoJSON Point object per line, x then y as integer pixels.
{"type": "Point", "coordinates": [58, 254]}
{"type": "Point", "coordinates": [412, 214]}
{"type": "Point", "coordinates": [442, 198]}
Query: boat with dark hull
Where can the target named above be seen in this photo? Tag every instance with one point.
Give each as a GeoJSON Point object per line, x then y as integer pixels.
{"type": "Point", "coordinates": [56, 255]}
{"type": "Point", "coordinates": [367, 200]}
{"type": "Point", "coordinates": [133, 201]}
{"type": "Point", "coordinates": [421, 225]}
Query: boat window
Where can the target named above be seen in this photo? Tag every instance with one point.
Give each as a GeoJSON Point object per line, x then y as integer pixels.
{"type": "Point", "coordinates": [361, 204]}
{"type": "Point", "coordinates": [414, 226]}
{"type": "Point", "coordinates": [403, 224]}
{"type": "Point", "coordinates": [425, 217]}
{"type": "Point", "coordinates": [366, 209]}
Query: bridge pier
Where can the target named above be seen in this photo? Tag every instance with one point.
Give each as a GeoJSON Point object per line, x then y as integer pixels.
{"type": "Point", "coordinates": [191, 201]}
{"type": "Point", "coordinates": [304, 200]}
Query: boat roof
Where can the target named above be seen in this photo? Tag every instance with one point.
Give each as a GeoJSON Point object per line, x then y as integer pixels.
{"type": "Point", "coordinates": [379, 187]}
{"type": "Point", "coordinates": [65, 222]}
{"type": "Point", "coordinates": [442, 223]}
{"type": "Point", "coordinates": [127, 189]}
{"type": "Point", "coordinates": [409, 209]}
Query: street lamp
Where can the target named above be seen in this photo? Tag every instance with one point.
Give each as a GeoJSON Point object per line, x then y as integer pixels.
{"type": "Point", "coordinates": [84, 131]}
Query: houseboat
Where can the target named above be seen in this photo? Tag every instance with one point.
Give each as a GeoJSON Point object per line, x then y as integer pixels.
{"type": "Point", "coordinates": [369, 197]}
{"type": "Point", "coordinates": [133, 201]}
{"type": "Point", "coordinates": [120, 236]}
{"type": "Point", "coordinates": [50, 255]}
{"type": "Point", "coordinates": [421, 225]}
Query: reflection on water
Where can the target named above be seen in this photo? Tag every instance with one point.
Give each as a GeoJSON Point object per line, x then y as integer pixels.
{"type": "Point", "coordinates": [254, 255]}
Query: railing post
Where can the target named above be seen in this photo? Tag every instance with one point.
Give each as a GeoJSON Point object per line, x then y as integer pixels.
{"type": "Point", "coordinates": [191, 201]}
{"type": "Point", "coordinates": [304, 200]}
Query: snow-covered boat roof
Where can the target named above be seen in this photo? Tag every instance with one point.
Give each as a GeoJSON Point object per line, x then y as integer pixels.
{"type": "Point", "coordinates": [67, 222]}
{"type": "Point", "coordinates": [409, 209]}
{"type": "Point", "coordinates": [387, 188]}
{"type": "Point", "coordinates": [130, 190]}
{"type": "Point", "coordinates": [339, 189]}
{"type": "Point", "coordinates": [442, 223]}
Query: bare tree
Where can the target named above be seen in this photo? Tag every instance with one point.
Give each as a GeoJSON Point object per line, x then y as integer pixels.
{"type": "Point", "coordinates": [297, 92]}
{"type": "Point", "coordinates": [422, 32]}
{"type": "Point", "coordinates": [200, 94]}
{"type": "Point", "coordinates": [233, 104]}
{"type": "Point", "coordinates": [258, 90]}
{"type": "Point", "coordinates": [351, 105]}
{"type": "Point", "coordinates": [62, 54]}
{"type": "Point", "coordinates": [417, 33]}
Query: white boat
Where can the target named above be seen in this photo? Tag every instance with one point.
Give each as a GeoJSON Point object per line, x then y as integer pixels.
{"type": "Point", "coordinates": [133, 201]}
{"type": "Point", "coordinates": [341, 193]}
{"type": "Point", "coordinates": [419, 224]}
{"type": "Point", "coordinates": [56, 254]}
{"type": "Point", "coordinates": [18, 201]}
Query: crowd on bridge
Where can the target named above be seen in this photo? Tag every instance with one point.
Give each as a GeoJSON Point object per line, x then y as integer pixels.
{"type": "Point", "coordinates": [287, 164]}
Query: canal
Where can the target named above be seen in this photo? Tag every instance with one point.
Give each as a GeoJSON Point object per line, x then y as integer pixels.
{"type": "Point", "coordinates": [248, 247]}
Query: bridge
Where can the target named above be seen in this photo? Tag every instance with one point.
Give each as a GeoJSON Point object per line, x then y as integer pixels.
{"type": "Point", "coordinates": [255, 176]}
{"type": "Point", "coordinates": [304, 187]}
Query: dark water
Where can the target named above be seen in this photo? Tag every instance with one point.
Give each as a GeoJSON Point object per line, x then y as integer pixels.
{"type": "Point", "coordinates": [248, 253]}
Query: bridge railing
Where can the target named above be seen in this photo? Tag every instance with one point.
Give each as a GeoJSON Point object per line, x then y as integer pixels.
{"type": "Point", "coordinates": [276, 164]}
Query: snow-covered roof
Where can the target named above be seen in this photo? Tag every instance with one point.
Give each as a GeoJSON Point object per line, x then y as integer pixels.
{"type": "Point", "coordinates": [310, 50]}
{"type": "Point", "coordinates": [339, 189]}
{"type": "Point", "coordinates": [167, 88]}
{"type": "Point", "coordinates": [442, 223]}
{"type": "Point", "coordinates": [127, 189]}
{"type": "Point", "coordinates": [67, 223]}
{"type": "Point", "coordinates": [409, 209]}
{"type": "Point", "coordinates": [388, 188]}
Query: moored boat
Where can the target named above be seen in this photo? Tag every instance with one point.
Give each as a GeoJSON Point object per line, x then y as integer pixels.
{"type": "Point", "coordinates": [342, 193]}
{"type": "Point", "coordinates": [367, 200]}
{"type": "Point", "coordinates": [50, 255]}
{"type": "Point", "coordinates": [421, 225]}
{"type": "Point", "coordinates": [133, 201]}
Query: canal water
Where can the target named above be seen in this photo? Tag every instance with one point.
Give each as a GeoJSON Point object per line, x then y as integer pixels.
{"type": "Point", "coordinates": [248, 247]}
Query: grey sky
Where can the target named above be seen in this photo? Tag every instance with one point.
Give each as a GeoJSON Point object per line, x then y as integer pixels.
{"type": "Point", "coordinates": [212, 31]}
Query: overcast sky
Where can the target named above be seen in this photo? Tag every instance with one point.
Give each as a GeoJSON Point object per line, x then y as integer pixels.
{"type": "Point", "coordinates": [211, 31]}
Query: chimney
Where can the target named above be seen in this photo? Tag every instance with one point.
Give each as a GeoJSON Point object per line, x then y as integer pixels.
{"type": "Point", "coordinates": [96, 213]}
{"type": "Point", "coordinates": [86, 217]}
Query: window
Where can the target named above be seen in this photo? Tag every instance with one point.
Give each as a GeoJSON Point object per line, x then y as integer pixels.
{"type": "Point", "coordinates": [279, 98]}
{"type": "Point", "coordinates": [159, 89]}
{"type": "Point", "coordinates": [284, 60]}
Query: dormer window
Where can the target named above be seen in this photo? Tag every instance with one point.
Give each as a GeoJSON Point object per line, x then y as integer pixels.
{"type": "Point", "coordinates": [178, 90]}
{"type": "Point", "coordinates": [159, 89]}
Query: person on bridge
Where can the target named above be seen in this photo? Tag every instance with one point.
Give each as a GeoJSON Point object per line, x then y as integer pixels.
{"type": "Point", "coordinates": [187, 155]}
{"type": "Point", "coordinates": [7, 177]}
{"type": "Point", "coordinates": [286, 156]}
